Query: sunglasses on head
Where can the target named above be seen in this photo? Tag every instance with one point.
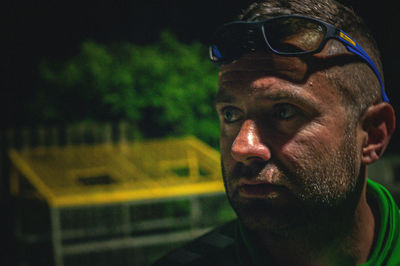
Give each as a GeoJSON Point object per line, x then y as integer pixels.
{"type": "Point", "coordinates": [291, 35]}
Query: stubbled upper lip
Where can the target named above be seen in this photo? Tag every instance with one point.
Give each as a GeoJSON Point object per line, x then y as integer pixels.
{"type": "Point", "coordinates": [245, 181]}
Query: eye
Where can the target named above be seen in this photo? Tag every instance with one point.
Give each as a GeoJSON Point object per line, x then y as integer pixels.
{"type": "Point", "coordinates": [285, 111]}
{"type": "Point", "coordinates": [231, 114]}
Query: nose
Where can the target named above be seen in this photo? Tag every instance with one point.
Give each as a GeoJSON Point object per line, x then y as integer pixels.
{"type": "Point", "coordinates": [248, 145]}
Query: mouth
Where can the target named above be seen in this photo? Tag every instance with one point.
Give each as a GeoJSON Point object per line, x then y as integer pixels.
{"type": "Point", "coordinates": [260, 189]}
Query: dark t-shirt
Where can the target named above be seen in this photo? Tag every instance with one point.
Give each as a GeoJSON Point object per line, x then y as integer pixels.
{"type": "Point", "coordinates": [228, 244]}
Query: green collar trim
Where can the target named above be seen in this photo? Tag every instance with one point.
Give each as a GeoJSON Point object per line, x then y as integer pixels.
{"type": "Point", "coordinates": [389, 223]}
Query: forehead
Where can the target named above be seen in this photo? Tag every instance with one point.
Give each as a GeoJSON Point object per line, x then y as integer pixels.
{"type": "Point", "coordinates": [258, 64]}
{"type": "Point", "coordinates": [273, 75]}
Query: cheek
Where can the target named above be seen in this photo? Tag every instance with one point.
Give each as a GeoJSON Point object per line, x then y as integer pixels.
{"type": "Point", "coordinates": [227, 137]}
{"type": "Point", "coordinates": [224, 137]}
{"type": "Point", "coordinates": [310, 147]}
{"type": "Point", "coordinates": [228, 134]}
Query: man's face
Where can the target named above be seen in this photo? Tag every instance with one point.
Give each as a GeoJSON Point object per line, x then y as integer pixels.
{"type": "Point", "coordinates": [287, 149]}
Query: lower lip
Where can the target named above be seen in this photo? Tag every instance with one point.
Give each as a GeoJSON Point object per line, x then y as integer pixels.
{"type": "Point", "coordinates": [259, 191]}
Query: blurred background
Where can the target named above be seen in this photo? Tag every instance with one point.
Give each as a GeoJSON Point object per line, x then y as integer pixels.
{"type": "Point", "coordinates": [90, 92]}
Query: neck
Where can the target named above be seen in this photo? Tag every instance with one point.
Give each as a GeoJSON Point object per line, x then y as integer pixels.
{"type": "Point", "coordinates": [335, 241]}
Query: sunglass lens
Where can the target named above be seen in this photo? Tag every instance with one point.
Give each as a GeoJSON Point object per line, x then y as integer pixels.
{"type": "Point", "coordinates": [294, 35]}
{"type": "Point", "coordinates": [229, 43]}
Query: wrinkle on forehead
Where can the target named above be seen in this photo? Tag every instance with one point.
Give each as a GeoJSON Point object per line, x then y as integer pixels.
{"type": "Point", "coordinates": [266, 89]}
{"type": "Point", "coordinates": [255, 73]}
{"type": "Point", "coordinates": [294, 69]}
{"type": "Point", "coordinates": [255, 66]}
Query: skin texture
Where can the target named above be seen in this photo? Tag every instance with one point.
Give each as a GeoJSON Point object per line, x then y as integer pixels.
{"type": "Point", "coordinates": [306, 146]}
{"type": "Point", "coordinates": [294, 165]}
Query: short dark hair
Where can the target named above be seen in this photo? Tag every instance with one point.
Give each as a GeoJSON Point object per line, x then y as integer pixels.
{"type": "Point", "coordinates": [356, 82]}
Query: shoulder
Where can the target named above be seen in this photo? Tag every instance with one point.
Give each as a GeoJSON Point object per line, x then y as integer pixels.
{"type": "Point", "coordinates": [216, 247]}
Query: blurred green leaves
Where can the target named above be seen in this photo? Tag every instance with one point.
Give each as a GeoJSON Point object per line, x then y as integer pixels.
{"type": "Point", "coordinates": [166, 88]}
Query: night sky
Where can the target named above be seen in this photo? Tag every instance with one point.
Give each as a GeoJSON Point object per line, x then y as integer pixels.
{"type": "Point", "coordinates": [54, 30]}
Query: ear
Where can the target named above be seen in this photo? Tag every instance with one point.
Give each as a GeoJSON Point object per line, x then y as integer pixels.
{"type": "Point", "coordinates": [378, 122]}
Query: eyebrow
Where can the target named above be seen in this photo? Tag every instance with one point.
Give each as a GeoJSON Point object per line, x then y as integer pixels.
{"type": "Point", "coordinates": [223, 97]}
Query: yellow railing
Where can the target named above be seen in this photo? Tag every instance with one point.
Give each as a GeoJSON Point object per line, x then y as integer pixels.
{"type": "Point", "coordinates": [109, 173]}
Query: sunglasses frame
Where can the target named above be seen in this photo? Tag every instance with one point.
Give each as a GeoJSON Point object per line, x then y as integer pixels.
{"type": "Point", "coordinates": [331, 33]}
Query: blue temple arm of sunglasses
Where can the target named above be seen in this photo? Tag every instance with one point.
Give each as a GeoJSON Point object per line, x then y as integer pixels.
{"type": "Point", "coordinates": [355, 48]}
{"type": "Point", "coordinates": [214, 52]}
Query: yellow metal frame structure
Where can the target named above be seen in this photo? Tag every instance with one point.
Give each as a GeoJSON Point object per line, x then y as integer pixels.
{"type": "Point", "coordinates": [122, 175]}
{"type": "Point", "coordinates": [66, 176]}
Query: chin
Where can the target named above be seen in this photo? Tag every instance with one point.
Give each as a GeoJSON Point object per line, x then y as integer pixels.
{"type": "Point", "coordinates": [261, 215]}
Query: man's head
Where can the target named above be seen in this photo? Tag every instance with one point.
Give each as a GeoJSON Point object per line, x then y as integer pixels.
{"type": "Point", "coordinates": [297, 132]}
